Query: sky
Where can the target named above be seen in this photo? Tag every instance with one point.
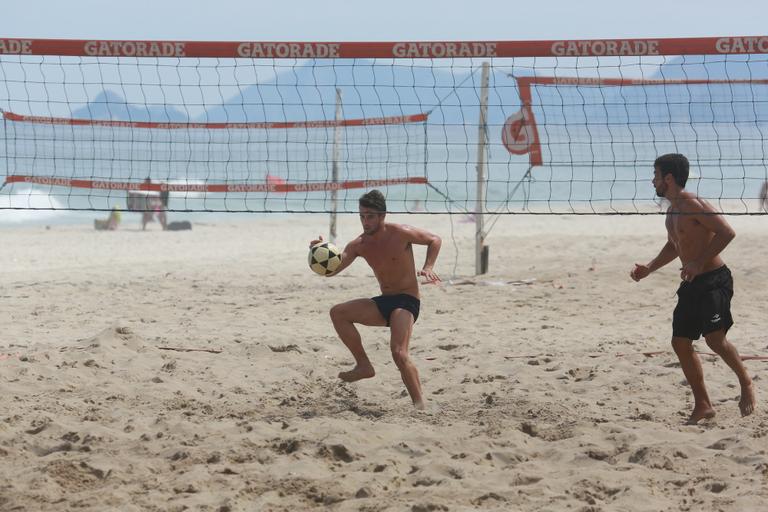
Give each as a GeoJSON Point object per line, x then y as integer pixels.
{"type": "Point", "coordinates": [388, 20]}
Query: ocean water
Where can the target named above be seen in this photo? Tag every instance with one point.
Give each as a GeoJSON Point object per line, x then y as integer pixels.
{"type": "Point", "coordinates": [593, 169]}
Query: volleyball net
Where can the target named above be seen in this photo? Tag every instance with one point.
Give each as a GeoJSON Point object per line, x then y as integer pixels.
{"type": "Point", "coordinates": [549, 127]}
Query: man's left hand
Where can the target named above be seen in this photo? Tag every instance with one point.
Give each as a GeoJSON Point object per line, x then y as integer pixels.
{"type": "Point", "coordinates": [431, 277]}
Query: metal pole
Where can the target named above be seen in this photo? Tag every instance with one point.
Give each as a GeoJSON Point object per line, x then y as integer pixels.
{"type": "Point", "coordinates": [5, 140]}
{"type": "Point", "coordinates": [480, 268]}
{"type": "Point", "coordinates": [335, 169]}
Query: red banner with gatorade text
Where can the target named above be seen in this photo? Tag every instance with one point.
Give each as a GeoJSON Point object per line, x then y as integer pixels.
{"type": "Point", "coordinates": [271, 184]}
{"type": "Point", "coordinates": [388, 50]}
{"type": "Point", "coordinates": [371, 121]}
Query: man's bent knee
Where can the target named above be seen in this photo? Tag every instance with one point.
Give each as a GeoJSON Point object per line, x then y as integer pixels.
{"type": "Point", "coordinates": [337, 313]}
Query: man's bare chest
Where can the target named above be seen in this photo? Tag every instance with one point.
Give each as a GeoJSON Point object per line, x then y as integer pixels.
{"type": "Point", "coordinates": [386, 254]}
{"type": "Point", "coordinates": [681, 226]}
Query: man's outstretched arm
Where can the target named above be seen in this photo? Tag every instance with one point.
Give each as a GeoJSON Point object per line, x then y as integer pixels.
{"type": "Point", "coordinates": [666, 255]}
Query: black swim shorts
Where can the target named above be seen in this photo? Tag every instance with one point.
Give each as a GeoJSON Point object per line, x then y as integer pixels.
{"type": "Point", "coordinates": [704, 305]}
{"type": "Point", "coordinates": [388, 303]}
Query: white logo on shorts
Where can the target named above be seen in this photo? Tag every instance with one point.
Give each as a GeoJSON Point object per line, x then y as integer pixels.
{"type": "Point", "coordinates": [715, 318]}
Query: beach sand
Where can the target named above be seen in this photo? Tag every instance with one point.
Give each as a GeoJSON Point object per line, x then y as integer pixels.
{"type": "Point", "coordinates": [550, 381]}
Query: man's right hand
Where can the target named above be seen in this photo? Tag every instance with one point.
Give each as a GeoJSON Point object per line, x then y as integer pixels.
{"type": "Point", "coordinates": [315, 242]}
{"type": "Point", "coordinates": [639, 272]}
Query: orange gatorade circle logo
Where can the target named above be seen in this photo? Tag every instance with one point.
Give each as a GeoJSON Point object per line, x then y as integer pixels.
{"type": "Point", "coordinates": [517, 133]}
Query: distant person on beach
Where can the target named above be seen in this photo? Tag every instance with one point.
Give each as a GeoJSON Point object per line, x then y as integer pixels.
{"type": "Point", "coordinates": [764, 197]}
{"type": "Point", "coordinates": [155, 206]}
{"type": "Point", "coordinates": [111, 223]}
{"type": "Point", "coordinates": [388, 250]}
{"type": "Point", "coordinates": [697, 234]}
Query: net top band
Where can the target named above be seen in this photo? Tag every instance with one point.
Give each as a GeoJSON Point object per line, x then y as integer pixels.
{"type": "Point", "coordinates": [388, 50]}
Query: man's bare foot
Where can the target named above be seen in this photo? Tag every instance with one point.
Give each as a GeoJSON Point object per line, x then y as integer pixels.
{"type": "Point", "coordinates": [699, 413]}
{"type": "Point", "coordinates": [420, 405]}
{"type": "Point", "coordinates": [357, 373]}
{"type": "Point", "coordinates": [747, 402]}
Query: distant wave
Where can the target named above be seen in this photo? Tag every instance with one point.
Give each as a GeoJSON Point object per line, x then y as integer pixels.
{"type": "Point", "coordinates": [29, 198]}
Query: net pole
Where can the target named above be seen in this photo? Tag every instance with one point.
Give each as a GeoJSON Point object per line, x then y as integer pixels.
{"type": "Point", "coordinates": [335, 168]}
{"type": "Point", "coordinates": [7, 171]}
{"type": "Point", "coordinates": [481, 255]}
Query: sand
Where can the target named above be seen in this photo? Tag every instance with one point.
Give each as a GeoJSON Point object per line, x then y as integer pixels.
{"type": "Point", "coordinates": [550, 381]}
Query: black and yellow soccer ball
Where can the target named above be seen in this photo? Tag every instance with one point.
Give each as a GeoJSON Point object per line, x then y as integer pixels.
{"type": "Point", "coordinates": [324, 258]}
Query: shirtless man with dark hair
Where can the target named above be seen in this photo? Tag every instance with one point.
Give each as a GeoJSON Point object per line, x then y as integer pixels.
{"type": "Point", "coordinates": [697, 234]}
{"type": "Point", "coordinates": [388, 249]}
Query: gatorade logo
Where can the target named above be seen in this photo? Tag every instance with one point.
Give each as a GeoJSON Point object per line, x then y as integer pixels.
{"type": "Point", "coordinates": [517, 133]}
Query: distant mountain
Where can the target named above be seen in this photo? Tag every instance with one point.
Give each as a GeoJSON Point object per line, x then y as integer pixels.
{"type": "Point", "coordinates": [720, 102]}
{"type": "Point", "coordinates": [111, 106]}
{"type": "Point", "coordinates": [371, 90]}
{"type": "Point", "coordinates": [308, 92]}
{"type": "Point", "coordinates": [451, 95]}
{"type": "Point", "coordinates": [669, 103]}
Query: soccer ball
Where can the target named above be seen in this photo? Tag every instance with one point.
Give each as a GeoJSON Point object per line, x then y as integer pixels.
{"type": "Point", "coordinates": [324, 258]}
